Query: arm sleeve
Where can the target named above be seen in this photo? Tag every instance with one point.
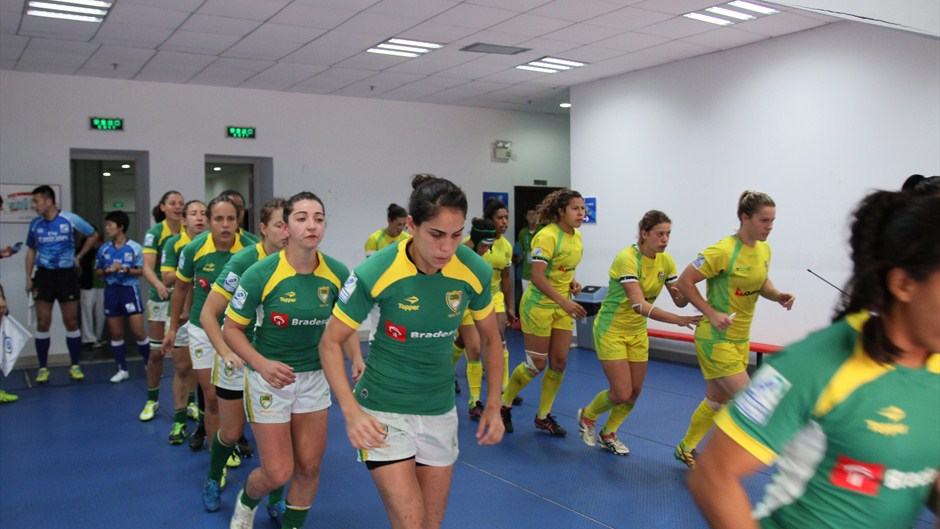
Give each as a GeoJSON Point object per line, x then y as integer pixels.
{"type": "Point", "coordinates": [30, 237]}
{"type": "Point", "coordinates": [138, 256]}
{"type": "Point", "coordinates": [247, 297]}
{"type": "Point", "coordinates": [80, 224]}
{"type": "Point", "coordinates": [543, 247]}
{"type": "Point", "coordinates": [712, 261]}
{"type": "Point", "coordinates": [625, 268]}
{"type": "Point", "coordinates": [150, 239]}
{"type": "Point", "coordinates": [353, 302]}
{"type": "Point", "coordinates": [185, 269]}
{"type": "Point", "coordinates": [100, 264]}
{"type": "Point", "coordinates": [669, 268]}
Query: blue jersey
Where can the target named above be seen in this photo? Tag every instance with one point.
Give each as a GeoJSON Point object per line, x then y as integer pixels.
{"type": "Point", "coordinates": [54, 241]}
{"type": "Point", "coordinates": [129, 255]}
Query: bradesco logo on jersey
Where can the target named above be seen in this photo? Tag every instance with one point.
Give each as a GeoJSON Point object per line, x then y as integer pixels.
{"type": "Point", "coordinates": [857, 476]}
{"type": "Point", "coordinates": [400, 334]}
{"type": "Point", "coordinates": [203, 283]}
{"type": "Point", "coordinates": [284, 320]}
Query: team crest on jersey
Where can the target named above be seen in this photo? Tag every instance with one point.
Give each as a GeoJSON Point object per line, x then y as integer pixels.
{"type": "Point", "coordinates": [660, 276]}
{"type": "Point", "coordinates": [324, 294]}
{"type": "Point", "coordinates": [453, 299]}
{"type": "Point", "coordinates": [128, 257]}
{"type": "Point", "coordinates": [266, 399]}
{"type": "Point", "coordinates": [348, 288]}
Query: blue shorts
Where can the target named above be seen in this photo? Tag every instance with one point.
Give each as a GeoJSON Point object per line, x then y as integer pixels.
{"type": "Point", "coordinates": [122, 300]}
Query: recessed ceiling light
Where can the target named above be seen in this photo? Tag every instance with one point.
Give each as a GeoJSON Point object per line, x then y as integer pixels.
{"type": "Point", "coordinates": [126, 166]}
{"type": "Point", "coordinates": [216, 168]}
{"type": "Point", "coordinates": [105, 174]}
{"type": "Point", "coordinates": [536, 69]}
{"type": "Point", "coordinates": [404, 47]}
{"type": "Point", "coordinates": [565, 105]}
{"type": "Point", "coordinates": [550, 65]}
{"type": "Point", "coordinates": [78, 10]}
{"type": "Point", "coordinates": [564, 62]}
{"type": "Point", "coordinates": [730, 13]}
{"type": "Point", "coordinates": [418, 43]}
{"type": "Point", "coordinates": [764, 10]}
{"type": "Point", "coordinates": [709, 19]}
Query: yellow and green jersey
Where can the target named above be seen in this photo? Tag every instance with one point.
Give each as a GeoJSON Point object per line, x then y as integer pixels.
{"type": "Point", "coordinates": [524, 240]}
{"type": "Point", "coordinates": [292, 309]}
{"type": "Point", "coordinates": [170, 257]}
{"type": "Point", "coordinates": [631, 266]}
{"type": "Point", "coordinates": [410, 369]}
{"type": "Point", "coordinates": [561, 253]}
{"type": "Point", "coordinates": [154, 240]}
{"type": "Point", "coordinates": [231, 274]}
{"type": "Point", "coordinates": [201, 263]}
{"type": "Point", "coordinates": [500, 258]}
{"type": "Point", "coordinates": [734, 274]}
{"type": "Point", "coordinates": [855, 441]}
{"type": "Point", "coordinates": [380, 239]}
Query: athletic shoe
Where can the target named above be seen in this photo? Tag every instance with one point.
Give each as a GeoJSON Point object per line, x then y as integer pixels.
{"type": "Point", "coordinates": [222, 481]}
{"type": "Point", "coordinates": [550, 425]}
{"type": "Point", "coordinates": [456, 386]}
{"type": "Point", "coordinates": [150, 408]}
{"type": "Point", "coordinates": [76, 372]}
{"type": "Point", "coordinates": [233, 461]}
{"type": "Point", "coordinates": [476, 411]}
{"type": "Point", "coordinates": [6, 397]}
{"type": "Point", "coordinates": [243, 448]}
{"type": "Point", "coordinates": [587, 428]}
{"type": "Point", "coordinates": [211, 495]}
{"type": "Point", "coordinates": [277, 510]}
{"type": "Point", "coordinates": [506, 414]}
{"type": "Point", "coordinates": [685, 456]}
{"type": "Point", "coordinates": [178, 433]}
{"type": "Point", "coordinates": [613, 444]}
{"type": "Point", "coordinates": [192, 411]}
{"type": "Point", "coordinates": [198, 438]}
{"type": "Point", "coordinates": [120, 376]}
{"type": "Point", "coordinates": [242, 517]}
{"type": "Point", "coordinates": [42, 376]}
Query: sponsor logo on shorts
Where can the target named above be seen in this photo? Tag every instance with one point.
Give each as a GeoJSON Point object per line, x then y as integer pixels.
{"type": "Point", "coordinates": [759, 400]}
{"type": "Point", "coordinates": [238, 300]}
{"type": "Point", "coordinates": [203, 283]}
{"type": "Point", "coordinates": [228, 370]}
{"type": "Point", "coordinates": [324, 294]}
{"type": "Point", "coordinates": [857, 476]}
{"type": "Point", "coordinates": [453, 299]}
{"type": "Point", "coordinates": [412, 304]}
{"type": "Point", "coordinates": [289, 297]}
{"type": "Point", "coordinates": [395, 332]}
{"type": "Point", "coordinates": [739, 292]}
{"type": "Point", "coordinates": [348, 288]}
{"type": "Point", "coordinates": [894, 426]}
{"type": "Point", "coordinates": [699, 261]}
{"type": "Point", "coordinates": [281, 320]}
{"type": "Point", "coordinates": [265, 400]}
{"type": "Point", "coordinates": [231, 282]}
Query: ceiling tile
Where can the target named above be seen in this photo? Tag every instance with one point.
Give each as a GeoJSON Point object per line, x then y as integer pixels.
{"type": "Point", "coordinates": [581, 33]}
{"type": "Point", "coordinates": [677, 7]}
{"type": "Point", "coordinates": [65, 30]}
{"type": "Point", "coordinates": [416, 9]}
{"type": "Point", "coordinates": [473, 16]}
{"type": "Point", "coordinates": [490, 37]}
{"type": "Point", "coordinates": [529, 25]}
{"type": "Point", "coordinates": [108, 73]}
{"type": "Point", "coordinates": [383, 26]}
{"type": "Point", "coordinates": [45, 67]}
{"type": "Point", "coordinates": [515, 5]}
{"type": "Point", "coordinates": [285, 33]}
{"type": "Point", "coordinates": [178, 5]}
{"type": "Point", "coordinates": [206, 43]}
{"type": "Point", "coordinates": [676, 28]}
{"type": "Point", "coordinates": [332, 47]}
{"type": "Point", "coordinates": [631, 41]}
{"type": "Point", "coordinates": [173, 67]}
{"type": "Point", "coordinates": [629, 18]}
{"type": "Point", "coordinates": [312, 16]}
{"type": "Point", "coordinates": [62, 47]}
{"type": "Point", "coordinates": [373, 61]}
{"type": "Point", "coordinates": [10, 20]}
{"type": "Point", "coordinates": [230, 72]}
{"type": "Point", "coordinates": [281, 76]}
{"type": "Point", "coordinates": [146, 15]}
{"type": "Point", "coordinates": [575, 10]}
{"type": "Point", "coordinates": [592, 54]}
{"type": "Point", "coordinates": [11, 46]}
{"type": "Point", "coordinates": [779, 24]}
{"type": "Point", "coordinates": [724, 38]}
{"type": "Point", "coordinates": [132, 35]}
{"type": "Point", "coordinates": [247, 9]}
{"type": "Point", "coordinates": [440, 33]}
{"type": "Point", "coordinates": [543, 46]}
{"type": "Point", "coordinates": [475, 69]}
{"type": "Point", "coordinates": [626, 63]}
{"type": "Point", "coordinates": [264, 49]}
{"type": "Point", "coordinates": [219, 25]}
{"type": "Point", "coordinates": [127, 59]}
{"type": "Point", "coordinates": [678, 49]}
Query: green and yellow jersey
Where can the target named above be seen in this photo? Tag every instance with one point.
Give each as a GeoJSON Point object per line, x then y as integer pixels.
{"type": "Point", "coordinates": [170, 257]}
{"type": "Point", "coordinates": [292, 308]}
{"type": "Point", "coordinates": [499, 256]}
{"type": "Point", "coordinates": [231, 274]}
{"type": "Point", "coordinates": [631, 266]}
{"type": "Point", "coordinates": [201, 262]}
{"type": "Point", "coordinates": [735, 274]}
{"type": "Point", "coordinates": [561, 253]}
{"type": "Point", "coordinates": [524, 240]}
{"type": "Point", "coordinates": [855, 441]}
{"type": "Point", "coordinates": [154, 240]}
{"type": "Point", "coordinates": [380, 239]}
{"type": "Point", "coordinates": [409, 369]}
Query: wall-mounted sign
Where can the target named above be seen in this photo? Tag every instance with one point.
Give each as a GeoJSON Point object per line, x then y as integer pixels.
{"type": "Point", "coordinates": [590, 204]}
{"type": "Point", "coordinates": [240, 132]}
{"type": "Point", "coordinates": [106, 123]}
{"type": "Point", "coordinates": [501, 195]}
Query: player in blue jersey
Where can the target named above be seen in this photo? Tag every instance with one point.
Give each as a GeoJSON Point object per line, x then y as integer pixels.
{"type": "Point", "coordinates": [848, 415]}
{"type": "Point", "coordinates": [120, 262]}
{"type": "Point", "coordinates": [51, 244]}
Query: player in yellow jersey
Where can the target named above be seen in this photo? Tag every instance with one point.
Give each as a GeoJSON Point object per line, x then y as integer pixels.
{"type": "Point", "coordinates": [394, 232]}
{"type": "Point", "coordinates": [547, 309]}
{"type": "Point", "coordinates": [637, 276]}
{"type": "Point", "coordinates": [736, 269]}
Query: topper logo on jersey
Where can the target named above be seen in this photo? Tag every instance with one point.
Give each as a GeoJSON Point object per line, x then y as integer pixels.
{"type": "Point", "coordinates": [739, 292]}
{"type": "Point", "coordinates": [858, 476]}
{"type": "Point", "coordinates": [395, 332]}
{"type": "Point", "coordinates": [895, 415]}
{"type": "Point", "coordinates": [324, 294]}
{"type": "Point", "coordinates": [281, 320]}
{"type": "Point", "coordinates": [203, 283]}
{"type": "Point", "coordinates": [289, 297]}
{"type": "Point", "coordinates": [413, 300]}
{"type": "Point", "coordinates": [453, 299]}
{"type": "Point", "coordinates": [210, 267]}
{"type": "Point", "coordinates": [743, 268]}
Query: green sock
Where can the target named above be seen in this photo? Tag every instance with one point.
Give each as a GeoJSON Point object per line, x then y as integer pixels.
{"type": "Point", "coordinates": [600, 404]}
{"type": "Point", "coordinates": [179, 415]}
{"type": "Point", "coordinates": [153, 394]}
{"type": "Point", "coordinates": [294, 517]}
{"type": "Point", "coordinates": [276, 495]}
{"type": "Point", "coordinates": [218, 455]}
{"type": "Point", "coordinates": [251, 503]}
{"type": "Point", "coordinates": [616, 418]}
{"type": "Point", "coordinates": [551, 383]}
{"type": "Point", "coordinates": [474, 380]}
{"type": "Point", "coordinates": [520, 378]}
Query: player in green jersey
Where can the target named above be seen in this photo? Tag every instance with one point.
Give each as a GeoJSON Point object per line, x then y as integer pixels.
{"type": "Point", "coordinates": [637, 276]}
{"type": "Point", "coordinates": [736, 269]}
{"type": "Point", "coordinates": [524, 240]}
{"type": "Point", "coordinates": [402, 417]}
{"type": "Point", "coordinates": [286, 394]}
{"type": "Point", "coordinates": [394, 232]}
{"type": "Point", "coordinates": [849, 414]}
{"type": "Point", "coordinates": [547, 309]}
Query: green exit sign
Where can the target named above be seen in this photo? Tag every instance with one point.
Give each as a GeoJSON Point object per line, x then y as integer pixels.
{"type": "Point", "coordinates": [106, 123]}
{"type": "Point", "coordinates": [240, 132]}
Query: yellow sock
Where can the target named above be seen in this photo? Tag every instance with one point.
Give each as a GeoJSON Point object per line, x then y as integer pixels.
{"type": "Point", "coordinates": [505, 367]}
{"type": "Point", "coordinates": [702, 420]}
{"type": "Point", "coordinates": [474, 380]}
{"type": "Point", "coordinates": [520, 378]}
{"type": "Point", "coordinates": [618, 414]}
{"type": "Point", "coordinates": [551, 383]}
{"type": "Point", "coordinates": [599, 405]}
{"type": "Point", "coordinates": [458, 352]}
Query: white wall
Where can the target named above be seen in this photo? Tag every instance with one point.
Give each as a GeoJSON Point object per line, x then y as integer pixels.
{"type": "Point", "coordinates": [356, 154]}
{"type": "Point", "coordinates": [816, 119]}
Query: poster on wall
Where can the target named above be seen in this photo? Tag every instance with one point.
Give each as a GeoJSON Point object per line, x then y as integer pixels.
{"type": "Point", "coordinates": [501, 195]}
{"type": "Point", "coordinates": [590, 207]}
{"type": "Point", "coordinates": [18, 201]}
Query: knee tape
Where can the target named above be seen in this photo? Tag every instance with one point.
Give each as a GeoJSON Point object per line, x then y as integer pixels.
{"type": "Point", "coordinates": [530, 363]}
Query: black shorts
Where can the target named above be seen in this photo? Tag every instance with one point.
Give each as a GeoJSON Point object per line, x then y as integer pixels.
{"type": "Point", "coordinates": [50, 285]}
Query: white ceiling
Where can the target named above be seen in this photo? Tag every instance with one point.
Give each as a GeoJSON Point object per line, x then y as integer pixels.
{"type": "Point", "coordinates": [317, 46]}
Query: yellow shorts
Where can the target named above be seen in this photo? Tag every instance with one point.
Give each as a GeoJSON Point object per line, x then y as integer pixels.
{"type": "Point", "coordinates": [722, 359]}
{"type": "Point", "coordinates": [616, 346]}
{"type": "Point", "coordinates": [539, 321]}
{"type": "Point", "coordinates": [467, 318]}
{"type": "Point", "coordinates": [499, 302]}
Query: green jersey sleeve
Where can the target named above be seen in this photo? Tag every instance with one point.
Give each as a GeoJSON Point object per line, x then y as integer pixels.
{"type": "Point", "coordinates": [185, 269]}
{"type": "Point", "coordinates": [169, 258]}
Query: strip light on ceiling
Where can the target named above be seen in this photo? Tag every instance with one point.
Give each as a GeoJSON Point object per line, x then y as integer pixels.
{"type": "Point", "coordinates": [404, 47]}
{"type": "Point", "coordinates": [77, 10]}
{"type": "Point", "coordinates": [724, 16]}
{"type": "Point", "coordinates": [550, 65]}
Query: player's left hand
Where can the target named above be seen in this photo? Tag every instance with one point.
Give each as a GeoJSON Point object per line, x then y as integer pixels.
{"type": "Point", "coordinates": [491, 429]}
{"type": "Point", "coordinates": [786, 300]}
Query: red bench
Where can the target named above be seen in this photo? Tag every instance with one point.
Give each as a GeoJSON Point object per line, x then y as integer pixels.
{"type": "Point", "coordinates": [760, 348]}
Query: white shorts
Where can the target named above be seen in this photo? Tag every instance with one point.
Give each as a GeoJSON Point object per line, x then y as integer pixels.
{"type": "Point", "coordinates": [231, 378]}
{"type": "Point", "coordinates": [264, 404]}
{"type": "Point", "coordinates": [200, 348]}
{"type": "Point", "coordinates": [182, 335]}
{"type": "Point", "coordinates": [430, 439]}
{"type": "Point", "coordinates": [158, 310]}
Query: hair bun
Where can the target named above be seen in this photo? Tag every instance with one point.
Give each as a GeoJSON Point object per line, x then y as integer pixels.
{"type": "Point", "coordinates": [420, 179]}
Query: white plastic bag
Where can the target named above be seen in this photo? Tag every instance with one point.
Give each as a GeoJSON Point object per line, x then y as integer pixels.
{"type": "Point", "coordinates": [13, 336]}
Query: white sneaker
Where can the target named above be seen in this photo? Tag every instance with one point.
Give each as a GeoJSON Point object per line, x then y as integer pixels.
{"type": "Point", "coordinates": [120, 376]}
{"type": "Point", "coordinates": [242, 517]}
{"type": "Point", "coordinates": [612, 443]}
{"type": "Point", "coordinates": [587, 428]}
{"type": "Point", "coordinates": [150, 408]}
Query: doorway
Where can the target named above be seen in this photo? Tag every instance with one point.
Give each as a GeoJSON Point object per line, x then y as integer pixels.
{"type": "Point", "coordinates": [106, 181]}
{"type": "Point", "coordinates": [252, 177]}
{"type": "Point", "coordinates": [525, 197]}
